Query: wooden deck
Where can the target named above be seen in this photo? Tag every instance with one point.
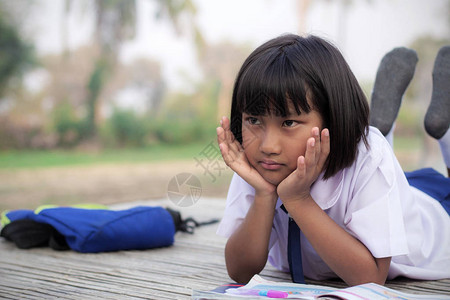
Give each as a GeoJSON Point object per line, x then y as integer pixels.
{"type": "Point", "coordinates": [194, 262]}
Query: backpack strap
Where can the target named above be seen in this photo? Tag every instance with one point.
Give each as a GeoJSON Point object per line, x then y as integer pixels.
{"type": "Point", "coordinates": [187, 225]}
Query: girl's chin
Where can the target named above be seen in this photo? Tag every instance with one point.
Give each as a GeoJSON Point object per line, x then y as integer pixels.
{"type": "Point", "coordinates": [274, 179]}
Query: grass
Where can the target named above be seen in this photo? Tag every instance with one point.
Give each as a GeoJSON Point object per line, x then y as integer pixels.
{"type": "Point", "coordinates": [54, 158]}
{"type": "Point", "coordinates": [13, 159]}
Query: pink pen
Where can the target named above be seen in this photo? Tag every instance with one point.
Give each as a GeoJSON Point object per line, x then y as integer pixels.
{"type": "Point", "coordinates": [254, 292]}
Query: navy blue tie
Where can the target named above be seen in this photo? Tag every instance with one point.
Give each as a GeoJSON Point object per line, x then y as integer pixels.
{"type": "Point", "coordinates": [294, 251]}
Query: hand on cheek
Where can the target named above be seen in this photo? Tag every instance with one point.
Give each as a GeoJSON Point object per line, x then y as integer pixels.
{"type": "Point", "coordinates": [234, 156]}
{"type": "Point", "coordinates": [297, 185]}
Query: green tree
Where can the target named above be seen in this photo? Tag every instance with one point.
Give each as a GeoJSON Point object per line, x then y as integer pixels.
{"type": "Point", "coordinates": [16, 55]}
{"type": "Point", "coordinates": [114, 23]}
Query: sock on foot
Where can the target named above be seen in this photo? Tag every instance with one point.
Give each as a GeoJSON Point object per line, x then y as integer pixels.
{"type": "Point", "coordinates": [394, 73]}
{"type": "Point", "coordinates": [437, 118]}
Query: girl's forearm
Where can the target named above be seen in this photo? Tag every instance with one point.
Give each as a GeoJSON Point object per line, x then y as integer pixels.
{"type": "Point", "coordinates": [246, 251]}
{"type": "Point", "coordinates": [343, 253]}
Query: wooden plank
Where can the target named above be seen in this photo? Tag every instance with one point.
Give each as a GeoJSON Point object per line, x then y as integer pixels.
{"type": "Point", "coordinates": [194, 262]}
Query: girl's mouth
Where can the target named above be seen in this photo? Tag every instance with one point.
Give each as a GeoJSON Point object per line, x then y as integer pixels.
{"type": "Point", "coordinates": [270, 164]}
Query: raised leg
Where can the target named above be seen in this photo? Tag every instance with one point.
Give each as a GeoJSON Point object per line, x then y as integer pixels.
{"type": "Point", "coordinates": [437, 118]}
{"type": "Point", "coordinates": [393, 77]}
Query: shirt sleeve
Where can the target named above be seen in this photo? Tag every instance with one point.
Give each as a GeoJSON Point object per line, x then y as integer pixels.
{"type": "Point", "coordinates": [374, 214]}
{"type": "Point", "coordinates": [240, 198]}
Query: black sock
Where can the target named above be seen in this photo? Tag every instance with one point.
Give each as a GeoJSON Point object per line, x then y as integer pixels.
{"type": "Point", "coordinates": [393, 76]}
{"type": "Point", "coordinates": [437, 118]}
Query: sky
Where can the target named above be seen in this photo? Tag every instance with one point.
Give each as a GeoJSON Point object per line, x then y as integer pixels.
{"type": "Point", "coordinates": [364, 33]}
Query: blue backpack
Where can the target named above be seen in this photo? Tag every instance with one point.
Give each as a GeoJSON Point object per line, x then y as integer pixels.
{"type": "Point", "coordinates": [95, 229]}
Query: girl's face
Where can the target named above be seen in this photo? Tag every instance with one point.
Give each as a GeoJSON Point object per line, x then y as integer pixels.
{"type": "Point", "coordinates": [273, 144]}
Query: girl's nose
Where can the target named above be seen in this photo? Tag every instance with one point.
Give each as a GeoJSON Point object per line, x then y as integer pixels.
{"type": "Point", "coordinates": [269, 143]}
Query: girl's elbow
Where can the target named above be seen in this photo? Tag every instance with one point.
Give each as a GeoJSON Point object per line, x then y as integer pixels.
{"type": "Point", "coordinates": [383, 265]}
{"type": "Point", "coordinates": [243, 265]}
{"type": "Point", "coordinates": [239, 277]}
{"type": "Point", "coordinates": [376, 274]}
{"type": "Point", "coordinates": [381, 280]}
{"type": "Point", "coordinates": [242, 273]}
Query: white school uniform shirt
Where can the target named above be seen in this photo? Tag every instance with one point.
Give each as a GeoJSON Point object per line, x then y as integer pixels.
{"type": "Point", "coordinates": [372, 201]}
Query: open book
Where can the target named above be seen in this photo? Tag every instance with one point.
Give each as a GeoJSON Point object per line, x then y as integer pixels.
{"type": "Point", "coordinates": [259, 288]}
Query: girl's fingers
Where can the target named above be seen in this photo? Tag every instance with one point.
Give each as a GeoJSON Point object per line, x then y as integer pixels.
{"type": "Point", "coordinates": [301, 167]}
{"type": "Point", "coordinates": [225, 153]}
{"type": "Point", "coordinates": [224, 122]}
{"type": "Point", "coordinates": [232, 142]}
{"type": "Point", "coordinates": [220, 135]}
{"type": "Point", "coordinates": [315, 134]}
{"type": "Point", "coordinates": [226, 127]}
{"type": "Point", "coordinates": [229, 157]}
{"type": "Point", "coordinates": [229, 147]}
{"type": "Point", "coordinates": [325, 148]}
{"type": "Point", "coordinates": [317, 150]}
{"type": "Point", "coordinates": [310, 154]}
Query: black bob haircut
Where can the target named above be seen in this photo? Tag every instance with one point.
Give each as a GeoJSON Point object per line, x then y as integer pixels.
{"type": "Point", "coordinates": [291, 68]}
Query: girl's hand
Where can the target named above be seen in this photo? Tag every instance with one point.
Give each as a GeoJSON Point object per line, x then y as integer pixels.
{"type": "Point", "coordinates": [297, 185]}
{"type": "Point", "coordinates": [234, 156]}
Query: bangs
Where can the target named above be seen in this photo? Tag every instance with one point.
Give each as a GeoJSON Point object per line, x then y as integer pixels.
{"type": "Point", "coordinates": [269, 84]}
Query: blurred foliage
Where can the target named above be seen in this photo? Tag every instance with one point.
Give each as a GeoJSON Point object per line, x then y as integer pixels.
{"type": "Point", "coordinates": [186, 118]}
{"type": "Point", "coordinates": [128, 128]}
{"type": "Point", "coordinates": [115, 22]}
{"type": "Point", "coordinates": [81, 87]}
{"type": "Point", "coordinates": [69, 128]}
{"type": "Point", "coordinates": [82, 90]}
{"type": "Point", "coordinates": [95, 85]}
{"type": "Point", "coordinates": [183, 119]}
{"type": "Point", "coordinates": [81, 102]}
{"type": "Point", "coordinates": [16, 54]}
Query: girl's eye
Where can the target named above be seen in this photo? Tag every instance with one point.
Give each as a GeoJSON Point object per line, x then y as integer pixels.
{"type": "Point", "coordinates": [289, 123]}
{"type": "Point", "coordinates": [253, 121]}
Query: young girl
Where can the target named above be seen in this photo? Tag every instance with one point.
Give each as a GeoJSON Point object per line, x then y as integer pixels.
{"type": "Point", "coordinates": [304, 154]}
